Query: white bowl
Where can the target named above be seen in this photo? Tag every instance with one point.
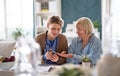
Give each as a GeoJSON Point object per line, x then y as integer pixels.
{"type": "Point", "coordinates": [6, 65]}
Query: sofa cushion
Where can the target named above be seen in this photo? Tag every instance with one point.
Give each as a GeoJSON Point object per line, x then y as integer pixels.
{"type": "Point", "coordinates": [6, 48]}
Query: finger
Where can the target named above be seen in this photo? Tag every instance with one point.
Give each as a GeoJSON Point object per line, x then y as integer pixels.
{"type": "Point", "coordinates": [69, 55]}
{"type": "Point", "coordinates": [64, 55]}
{"type": "Point", "coordinates": [49, 56]}
{"type": "Point", "coordinates": [60, 54]}
{"type": "Point", "coordinates": [55, 56]}
{"type": "Point", "coordinates": [63, 52]}
{"type": "Point", "coordinates": [54, 59]}
{"type": "Point", "coordinates": [50, 52]}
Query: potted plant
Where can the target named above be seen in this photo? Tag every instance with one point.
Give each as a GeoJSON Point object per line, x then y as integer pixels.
{"type": "Point", "coordinates": [86, 61]}
{"type": "Point", "coordinates": [17, 33]}
{"type": "Point", "coordinates": [96, 25]}
{"type": "Point", "coordinates": [71, 70]}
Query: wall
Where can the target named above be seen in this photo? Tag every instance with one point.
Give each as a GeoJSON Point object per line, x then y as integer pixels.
{"type": "Point", "coordinates": [73, 9]}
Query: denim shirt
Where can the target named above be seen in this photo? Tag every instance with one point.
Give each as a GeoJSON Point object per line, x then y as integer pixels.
{"type": "Point", "coordinates": [93, 50]}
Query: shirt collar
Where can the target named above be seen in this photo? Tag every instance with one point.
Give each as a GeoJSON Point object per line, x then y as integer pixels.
{"type": "Point", "coordinates": [91, 38]}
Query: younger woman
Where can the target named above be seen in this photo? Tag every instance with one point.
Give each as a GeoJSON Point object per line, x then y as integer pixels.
{"type": "Point", "coordinates": [52, 42]}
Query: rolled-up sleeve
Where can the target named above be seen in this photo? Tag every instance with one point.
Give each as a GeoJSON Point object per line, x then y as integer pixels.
{"type": "Point", "coordinates": [76, 59]}
{"type": "Point", "coordinates": [95, 52]}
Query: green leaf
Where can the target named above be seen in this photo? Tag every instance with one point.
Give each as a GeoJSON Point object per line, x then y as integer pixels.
{"type": "Point", "coordinates": [17, 33]}
{"type": "Point", "coordinates": [71, 72]}
{"type": "Point", "coordinates": [96, 24]}
{"type": "Point", "coordinates": [85, 59]}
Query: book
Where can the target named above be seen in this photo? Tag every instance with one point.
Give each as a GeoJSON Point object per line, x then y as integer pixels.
{"type": "Point", "coordinates": [44, 6]}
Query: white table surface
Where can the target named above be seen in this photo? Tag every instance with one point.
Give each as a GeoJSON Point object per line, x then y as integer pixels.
{"type": "Point", "coordinates": [43, 71]}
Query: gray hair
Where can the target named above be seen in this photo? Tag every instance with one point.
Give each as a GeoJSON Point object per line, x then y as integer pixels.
{"type": "Point", "coordinates": [87, 24]}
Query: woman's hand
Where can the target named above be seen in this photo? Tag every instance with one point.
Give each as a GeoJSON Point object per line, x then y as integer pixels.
{"type": "Point", "coordinates": [48, 54]}
{"type": "Point", "coordinates": [63, 54]}
{"type": "Point", "coordinates": [54, 58]}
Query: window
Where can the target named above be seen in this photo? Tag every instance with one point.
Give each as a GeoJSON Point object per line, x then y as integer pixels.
{"type": "Point", "coordinates": [110, 26]}
{"type": "Point", "coordinates": [115, 13]}
{"type": "Point", "coordinates": [2, 19]}
{"type": "Point", "coordinates": [15, 13]}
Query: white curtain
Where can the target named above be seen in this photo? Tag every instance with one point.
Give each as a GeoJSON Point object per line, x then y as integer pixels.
{"type": "Point", "coordinates": [110, 26]}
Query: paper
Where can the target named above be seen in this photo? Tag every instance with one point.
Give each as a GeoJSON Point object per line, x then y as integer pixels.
{"type": "Point", "coordinates": [45, 68]}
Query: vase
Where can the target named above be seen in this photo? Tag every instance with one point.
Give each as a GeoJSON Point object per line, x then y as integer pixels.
{"type": "Point", "coordinates": [86, 64]}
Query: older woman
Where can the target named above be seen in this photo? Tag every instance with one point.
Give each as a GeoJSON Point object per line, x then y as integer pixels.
{"type": "Point", "coordinates": [86, 44]}
{"type": "Point", "coordinates": [52, 42]}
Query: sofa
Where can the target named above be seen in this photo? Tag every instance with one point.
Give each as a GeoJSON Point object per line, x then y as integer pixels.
{"type": "Point", "coordinates": [6, 47]}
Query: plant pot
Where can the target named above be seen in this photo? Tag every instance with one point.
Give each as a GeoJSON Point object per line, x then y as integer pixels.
{"type": "Point", "coordinates": [86, 64]}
